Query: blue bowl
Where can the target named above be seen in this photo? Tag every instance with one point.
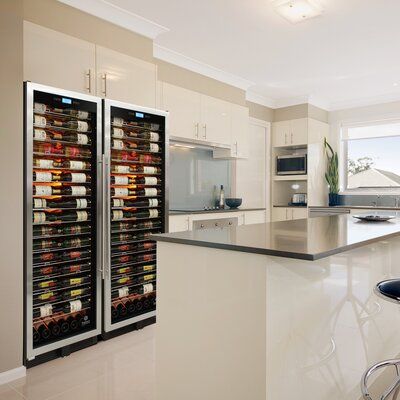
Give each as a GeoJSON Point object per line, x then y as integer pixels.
{"type": "Point", "coordinates": [233, 203]}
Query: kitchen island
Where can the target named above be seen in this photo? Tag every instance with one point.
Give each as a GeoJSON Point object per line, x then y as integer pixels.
{"type": "Point", "coordinates": [280, 311]}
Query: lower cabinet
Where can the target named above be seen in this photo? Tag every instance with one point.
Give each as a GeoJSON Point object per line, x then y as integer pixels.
{"type": "Point", "coordinates": [288, 213]}
{"type": "Point", "coordinates": [180, 223]}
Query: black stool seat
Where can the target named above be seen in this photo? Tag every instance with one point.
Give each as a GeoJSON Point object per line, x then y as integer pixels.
{"type": "Point", "coordinates": [390, 289]}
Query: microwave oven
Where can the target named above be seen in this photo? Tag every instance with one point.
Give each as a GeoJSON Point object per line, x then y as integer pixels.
{"type": "Point", "coordinates": [291, 165]}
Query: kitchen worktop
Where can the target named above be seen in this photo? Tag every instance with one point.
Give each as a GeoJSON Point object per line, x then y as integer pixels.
{"type": "Point", "coordinates": [307, 239]}
{"type": "Point", "coordinates": [225, 210]}
{"type": "Point", "coordinates": [371, 207]}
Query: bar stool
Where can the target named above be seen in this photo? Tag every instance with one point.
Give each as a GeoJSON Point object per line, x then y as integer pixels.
{"type": "Point", "coordinates": [388, 290]}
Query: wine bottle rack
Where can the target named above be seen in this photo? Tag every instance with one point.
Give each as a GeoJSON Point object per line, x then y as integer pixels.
{"type": "Point", "coordinates": [136, 145]}
{"type": "Point", "coordinates": [63, 148]}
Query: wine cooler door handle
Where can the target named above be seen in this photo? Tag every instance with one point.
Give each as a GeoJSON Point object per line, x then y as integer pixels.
{"type": "Point", "coordinates": [106, 216]}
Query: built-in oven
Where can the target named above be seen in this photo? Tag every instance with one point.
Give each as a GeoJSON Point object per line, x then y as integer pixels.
{"type": "Point", "coordinates": [295, 164]}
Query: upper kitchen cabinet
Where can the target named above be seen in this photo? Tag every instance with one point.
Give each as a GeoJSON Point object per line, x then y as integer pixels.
{"type": "Point", "coordinates": [239, 131]}
{"type": "Point", "coordinates": [55, 59]}
{"type": "Point", "coordinates": [124, 78]}
{"type": "Point", "coordinates": [290, 133]}
{"type": "Point", "coordinates": [184, 107]}
{"type": "Point", "coordinates": [216, 120]}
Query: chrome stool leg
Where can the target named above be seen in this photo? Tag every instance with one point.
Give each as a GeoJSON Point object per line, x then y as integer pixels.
{"type": "Point", "coordinates": [391, 389]}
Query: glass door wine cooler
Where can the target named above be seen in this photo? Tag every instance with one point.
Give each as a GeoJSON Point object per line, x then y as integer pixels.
{"type": "Point", "coordinates": [135, 206]}
{"type": "Point", "coordinates": [62, 218]}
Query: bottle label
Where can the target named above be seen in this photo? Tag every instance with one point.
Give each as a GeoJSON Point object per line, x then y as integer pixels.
{"type": "Point", "coordinates": [147, 288]}
{"type": "Point", "coordinates": [123, 270]}
{"type": "Point", "coordinates": [148, 267]}
{"type": "Point", "coordinates": [124, 280]}
{"type": "Point", "coordinates": [78, 177]}
{"type": "Point", "coordinates": [75, 281]}
{"type": "Point", "coordinates": [149, 277]}
{"type": "Point", "coordinates": [118, 133]}
{"type": "Point", "coordinates": [82, 138]}
{"type": "Point", "coordinates": [149, 192]}
{"type": "Point", "coordinates": [118, 144]}
{"type": "Point", "coordinates": [39, 217]}
{"type": "Point", "coordinates": [75, 306]}
{"type": "Point", "coordinates": [45, 163]}
{"type": "Point", "coordinates": [81, 216]}
{"type": "Point", "coordinates": [123, 169]}
{"type": "Point", "coordinates": [118, 121]}
{"type": "Point", "coordinates": [39, 203]}
{"type": "Point", "coordinates": [117, 215]}
{"type": "Point", "coordinates": [43, 190]}
{"type": "Point", "coordinates": [46, 310]}
{"type": "Point", "coordinates": [153, 213]}
{"type": "Point", "coordinates": [40, 121]}
{"type": "Point", "coordinates": [121, 191]}
{"type": "Point", "coordinates": [121, 180]}
{"type": "Point", "coordinates": [153, 202]}
{"type": "Point", "coordinates": [83, 126]}
{"type": "Point", "coordinates": [76, 292]}
{"type": "Point", "coordinates": [82, 114]}
{"type": "Point", "coordinates": [40, 108]}
{"type": "Point", "coordinates": [118, 202]}
{"type": "Point", "coordinates": [124, 291]}
{"type": "Point", "coordinates": [46, 296]}
{"type": "Point", "coordinates": [77, 165]}
{"type": "Point", "coordinates": [150, 180]}
{"type": "Point", "coordinates": [78, 190]}
{"type": "Point", "coordinates": [154, 137]}
{"type": "Point", "coordinates": [154, 148]}
{"type": "Point", "coordinates": [43, 176]}
{"type": "Point", "coordinates": [40, 134]}
{"type": "Point", "coordinates": [149, 170]}
{"type": "Point", "coordinates": [81, 203]}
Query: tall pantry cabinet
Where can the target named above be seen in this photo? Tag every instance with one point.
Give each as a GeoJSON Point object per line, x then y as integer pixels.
{"type": "Point", "coordinates": [84, 67]}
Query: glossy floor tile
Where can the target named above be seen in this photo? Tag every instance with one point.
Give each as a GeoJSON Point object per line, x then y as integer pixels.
{"type": "Point", "coordinates": [120, 368]}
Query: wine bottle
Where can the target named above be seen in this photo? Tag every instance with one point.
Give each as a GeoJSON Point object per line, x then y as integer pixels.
{"type": "Point", "coordinates": [42, 135]}
{"type": "Point", "coordinates": [136, 203]}
{"type": "Point", "coordinates": [76, 281]}
{"type": "Point", "coordinates": [73, 293]}
{"type": "Point", "coordinates": [35, 336]}
{"type": "Point", "coordinates": [122, 311]}
{"type": "Point", "coordinates": [75, 177]}
{"type": "Point", "coordinates": [143, 134]}
{"type": "Point", "coordinates": [43, 311]}
{"type": "Point", "coordinates": [146, 303]}
{"type": "Point", "coordinates": [45, 257]}
{"type": "Point", "coordinates": [60, 204]}
{"type": "Point", "coordinates": [76, 165]}
{"type": "Point", "coordinates": [133, 180]}
{"type": "Point", "coordinates": [76, 229]}
{"type": "Point", "coordinates": [44, 332]}
{"type": "Point", "coordinates": [42, 176]}
{"type": "Point", "coordinates": [122, 214]}
{"type": "Point", "coordinates": [39, 108]}
{"type": "Point", "coordinates": [73, 323]}
{"type": "Point", "coordinates": [76, 152]}
{"type": "Point", "coordinates": [126, 192]}
{"type": "Point", "coordinates": [75, 242]}
{"type": "Point", "coordinates": [79, 138]}
{"type": "Point", "coordinates": [47, 190]}
{"type": "Point", "coordinates": [45, 163]}
{"type": "Point", "coordinates": [76, 254]}
{"type": "Point", "coordinates": [134, 156]}
{"type": "Point", "coordinates": [118, 121]}
{"type": "Point", "coordinates": [80, 114]}
{"type": "Point", "coordinates": [54, 328]}
{"type": "Point", "coordinates": [80, 126]}
{"type": "Point", "coordinates": [46, 284]}
{"type": "Point", "coordinates": [76, 306]}
{"type": "Point", "coordinates": [49, 148]}
{"type": "Point", "coordinates": [131, 307]}
{"type": "Point", "coordinates": [44, 244]}
{"type": "Point", "coordinates": [64, 326]}
{"type": "Point", "coordinates": [75, 268]}
{"type": "Point", "coordinates": [114, 312]}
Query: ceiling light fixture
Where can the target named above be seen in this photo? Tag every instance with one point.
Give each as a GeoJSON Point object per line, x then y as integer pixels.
{"type": "Point", "coordinates": [297, 10]}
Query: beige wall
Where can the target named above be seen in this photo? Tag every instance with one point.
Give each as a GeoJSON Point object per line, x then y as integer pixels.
{"type": "Point", "coordinates": [260, 112]}
{"type": "Point", "coordinates": [11, 180]}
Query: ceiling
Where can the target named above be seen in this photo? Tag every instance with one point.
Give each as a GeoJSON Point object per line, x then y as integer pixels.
{"type": "Point", "coordinates": [349, 56]}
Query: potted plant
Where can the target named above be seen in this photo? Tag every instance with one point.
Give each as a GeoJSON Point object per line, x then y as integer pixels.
{"type": "Point", "coordinates": [332, 174]}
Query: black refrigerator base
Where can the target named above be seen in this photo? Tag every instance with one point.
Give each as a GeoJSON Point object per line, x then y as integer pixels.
{"type": "Point", "coordinates": [129, 328]}
{"type": "Point", "coordinates": [61, 352]}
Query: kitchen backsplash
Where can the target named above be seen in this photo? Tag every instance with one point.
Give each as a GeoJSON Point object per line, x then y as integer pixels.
{"type": "Point", "coordinates": [383, 200]}
{"type": "Point", "coordinates": [195, 177]}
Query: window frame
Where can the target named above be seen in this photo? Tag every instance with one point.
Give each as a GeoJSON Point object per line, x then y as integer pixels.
{"type": "Point", "coordinates": [343, 160]}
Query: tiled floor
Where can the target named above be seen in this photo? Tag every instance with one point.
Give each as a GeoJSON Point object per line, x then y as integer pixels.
{"type": "Point", "coordinates": [118, 369]}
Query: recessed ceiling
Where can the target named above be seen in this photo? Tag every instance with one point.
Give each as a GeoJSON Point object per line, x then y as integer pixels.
{"type": "Point", "coordinates": [347, 57]}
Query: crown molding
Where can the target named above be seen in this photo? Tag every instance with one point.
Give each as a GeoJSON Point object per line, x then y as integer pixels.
{"type": "Point", "coordinates": [173, 57]}
{"type": "Point", "coordinates": [260, 99]}
{"type": "Point", "coordinates": [119, 16]}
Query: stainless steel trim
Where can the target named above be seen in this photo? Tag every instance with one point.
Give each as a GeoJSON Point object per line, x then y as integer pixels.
{"type": "Point", "coordinates": [292, 156]}
{"type": "Point", "coordinates": [291, 173]}
{"type": "Point", "coordinates": [107, 104]}
{"type": "Point", "coordinates": [30, 352]}
{"type": "Point", "coordinates": [199, 142]}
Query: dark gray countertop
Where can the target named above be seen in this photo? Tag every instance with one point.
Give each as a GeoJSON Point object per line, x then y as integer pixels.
{"type": "Point", "coordinates": [307, 239]}
{"type": "Point", "coordinates": [174, 212]}
{"type": "Point", "coordinates": [359, 207]}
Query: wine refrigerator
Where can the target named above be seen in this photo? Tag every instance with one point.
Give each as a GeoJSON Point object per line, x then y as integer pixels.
{"type": "Point", "coordinates": [62, 219]}
{"type": "Point", "coordinates": [135, 206]}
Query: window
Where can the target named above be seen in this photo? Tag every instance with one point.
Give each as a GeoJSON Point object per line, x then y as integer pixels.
{"type": "Point", "coordinates": [372, 157]}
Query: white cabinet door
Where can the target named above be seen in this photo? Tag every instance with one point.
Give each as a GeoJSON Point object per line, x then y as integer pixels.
{"type": "Point", "coordinates": [55, 59]}
{"type": "Point", "coordinates": [281, 133]}
{"type": "Point", "coordinates": [299, 131]}
{"type": "Point", "coordinates": [254, 217]}
{"type": "Point", "coordinates": [179, 223]}
{"type": "Point", "coordinates": [124, 78]}
{"type": "Point", "coordinates": [184, 111]}
{"type": "Point", "coordinates": [239, 131]}
{"type": "Point", "coordinates": [216, 120]}
{"type": "Point", "coordinates": [281, 214]}
{"type": "Point", "coordinates": [299, 213]}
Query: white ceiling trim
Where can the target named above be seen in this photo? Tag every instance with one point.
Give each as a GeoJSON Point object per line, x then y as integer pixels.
{"type": "Point", "coordinates": [173, 57]}
{"type": "Point", "coordinates": [363, 102]}
{"type": "Point", "coordinates": [118, 16]}
{"type": "Point", "coordinates": [260, 99]}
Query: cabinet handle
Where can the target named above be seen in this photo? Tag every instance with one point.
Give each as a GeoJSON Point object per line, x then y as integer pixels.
{"type": "Point", "coordinates": [205, 131]}
{"type": "Point", "coordinates": [197, 129]}
{"type": "Point", "coordinates": [104, 78]}
{"type": "Point", "coordinates": [89, 78]}
{"type": "Point", "coordinates": [236, 146]}
{"type": "Point", "coordinates": [291, 138]}
{"type": "Point", "coordinates": [285, 138]}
